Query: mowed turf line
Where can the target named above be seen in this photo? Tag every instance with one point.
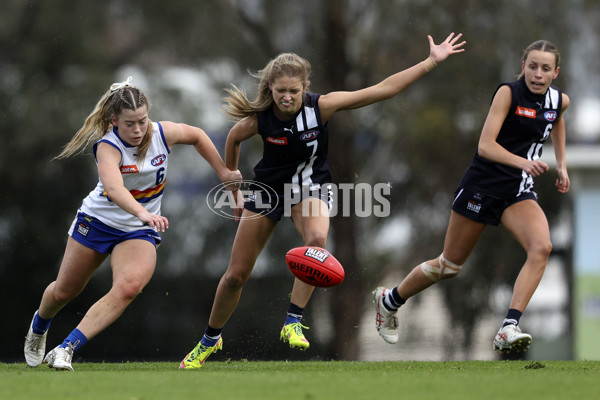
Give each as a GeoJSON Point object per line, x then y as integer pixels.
{"type": "Point", "coordinates": [307, 380]}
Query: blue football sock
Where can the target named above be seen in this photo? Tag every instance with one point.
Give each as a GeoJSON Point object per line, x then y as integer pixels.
{"type": "Point", "coordinates": [76, 339]}
{"type": "Point", "coordinates": [40, 325]}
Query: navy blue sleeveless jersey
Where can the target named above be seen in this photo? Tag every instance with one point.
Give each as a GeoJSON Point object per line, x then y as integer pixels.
{"type": "Point", "coordinates": [527, 125]}
{"type": "Point", "coordinates": [295, 151]}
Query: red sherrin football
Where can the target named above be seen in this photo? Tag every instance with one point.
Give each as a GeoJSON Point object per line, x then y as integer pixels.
{"type": "Point", "coordinates": [315, 266]}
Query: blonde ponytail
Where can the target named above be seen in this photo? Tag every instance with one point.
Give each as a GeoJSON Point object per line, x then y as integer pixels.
{"type": "Point", "coordinates": [121, 95]}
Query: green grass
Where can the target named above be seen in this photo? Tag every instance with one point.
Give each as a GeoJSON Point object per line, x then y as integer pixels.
{"type": "Point", "coordinates": [307, 380]}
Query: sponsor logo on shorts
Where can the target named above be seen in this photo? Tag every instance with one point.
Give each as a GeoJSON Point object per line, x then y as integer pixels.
{"type": "Point", "coordinates": [82, 229]}
{"type": "Point", "coordinates": [277, 140]}
{"type": "Point", "coordinates": [317, 254]}
{"type": "Point", "coordinates": [473, 206]}
{"type": "Point", "coordinates": [158, 160]}
{"type": "Point", "coordinates": [306, 136]}
{"type": "Point", "coordinates": [129, 169]}
{"type": "Point", "coordinates": [525, 112]}
{"type": "Point", "coordinates": [550, 115]}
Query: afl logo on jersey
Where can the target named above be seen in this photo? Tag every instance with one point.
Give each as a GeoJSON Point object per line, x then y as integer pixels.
{"type": "Point", "coordinates": [550, 115]}
{"type": "Point", "coordinates": [310, 135]}
{"type": "Point", "coordinates": [158, 160]}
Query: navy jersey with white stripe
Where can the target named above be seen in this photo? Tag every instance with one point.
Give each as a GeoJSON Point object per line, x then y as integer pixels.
{"type": "Point", "coordinates": [295, 151]}
{"type": "Point", "coordinates": [528, 124]}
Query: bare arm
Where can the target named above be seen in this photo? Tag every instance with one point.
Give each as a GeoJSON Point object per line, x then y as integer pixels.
{"type": "Point", "coordinates": [558, 136]}
{"type": "Point", "coordinates": [490, 148]}
{"type": "Point", "coordinates": [176, 133]}
{"type": "Point", "coordinates": [109, 173]}
{"type": "Point", "coordinates": [243, 130]}
{"type": "Point", "coordinates": [392, 85]}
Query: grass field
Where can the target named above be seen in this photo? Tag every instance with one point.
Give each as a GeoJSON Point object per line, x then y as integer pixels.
{"type": "Point", "coordinates": [307, 380]}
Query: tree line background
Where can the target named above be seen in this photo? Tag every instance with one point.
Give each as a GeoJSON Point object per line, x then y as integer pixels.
{"type": "Point", "coordinates": [59, 56]}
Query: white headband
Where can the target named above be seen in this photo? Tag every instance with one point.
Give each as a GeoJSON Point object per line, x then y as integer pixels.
{"type": "Point", "coordinates": [120, 85]}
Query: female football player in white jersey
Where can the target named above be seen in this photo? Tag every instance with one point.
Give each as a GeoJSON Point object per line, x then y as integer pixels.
{"type": "Point", "coordinates": [292, 123]}
{"type": "Point", "coordinates": [497, 188]}
{"type": "Point", "coordinates": [120, 217]}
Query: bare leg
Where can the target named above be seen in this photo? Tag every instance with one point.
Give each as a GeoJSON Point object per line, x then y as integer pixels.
{"type": "Point", "coordinates": [311, 218]}
{"type": "Point", "coordinates": [78, 265]}
{"type": "Point", "coordinates": [133, 263]}
{"type": "Point", "coordinates": [528, 224]}
{"type": "Point", "coordinates": [251, 237]}
{"type": "Point", "coordinates": [461, 237]}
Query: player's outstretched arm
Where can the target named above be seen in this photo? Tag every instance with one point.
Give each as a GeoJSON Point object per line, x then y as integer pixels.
{"type": "Point", "coordinates": [394, 84]}
{"type": "Point", "coordinates": [177, 133]}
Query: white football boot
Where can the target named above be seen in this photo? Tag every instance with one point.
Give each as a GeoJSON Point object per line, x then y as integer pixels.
{"type": "Point", "coordinates": [510, 338]}
{"type": "Point", "coordinates": [385, 321]}
{"type": "Point", "coordinates": [35, 346]}
{"type": "Point", "coordinates": [60, 358]}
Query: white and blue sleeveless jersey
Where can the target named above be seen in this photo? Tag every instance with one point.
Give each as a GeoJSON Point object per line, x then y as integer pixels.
{"type": "Point", "coordinates": [144, 179]}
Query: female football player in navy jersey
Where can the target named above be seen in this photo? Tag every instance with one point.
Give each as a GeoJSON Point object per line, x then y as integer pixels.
{"type": "Point", "coordinates": [120, 217]}
{"type": "Point", "coordinates": [497, 188]}
{"type": "Point", "coordinates": [292, 176]}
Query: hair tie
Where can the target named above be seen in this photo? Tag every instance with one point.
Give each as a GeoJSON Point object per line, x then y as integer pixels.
{"type": "Point", "coordinates": [120, 85]}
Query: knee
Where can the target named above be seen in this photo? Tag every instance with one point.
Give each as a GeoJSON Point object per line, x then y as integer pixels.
{"type": "Point", "coordinates": [130, 290]}
{"type": "Point", "coordinates": [540, 250]}
{"type": "Point", "coordinates": [61, 294]}
{"type": "Point", "coordinates": [235, 279]}
{"type": "Point", "coordinates": [315, 238]}
{"type": "Point", "coordinates": [442, 269]}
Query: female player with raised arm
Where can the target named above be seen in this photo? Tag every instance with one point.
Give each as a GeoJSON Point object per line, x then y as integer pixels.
{"type": "Point", "coordinates": [292, 123]}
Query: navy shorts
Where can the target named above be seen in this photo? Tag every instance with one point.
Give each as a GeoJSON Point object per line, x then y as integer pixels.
{"type": "Point", "coordinates": [484, 208]}
{"type": "Point", "coordinates": [92, 233]}
{"type": "Point", "coordinates": [277, 205]}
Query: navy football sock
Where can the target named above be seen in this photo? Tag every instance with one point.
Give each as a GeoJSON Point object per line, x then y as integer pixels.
{"type": "Point", "coordinates": [294, 314]}
{"type": "Point", "coordinates": [211, 336]}
{"type": "Point", "coordinates": [512, 317]}
{"type": "Point", "coordinates": [392, 300]}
